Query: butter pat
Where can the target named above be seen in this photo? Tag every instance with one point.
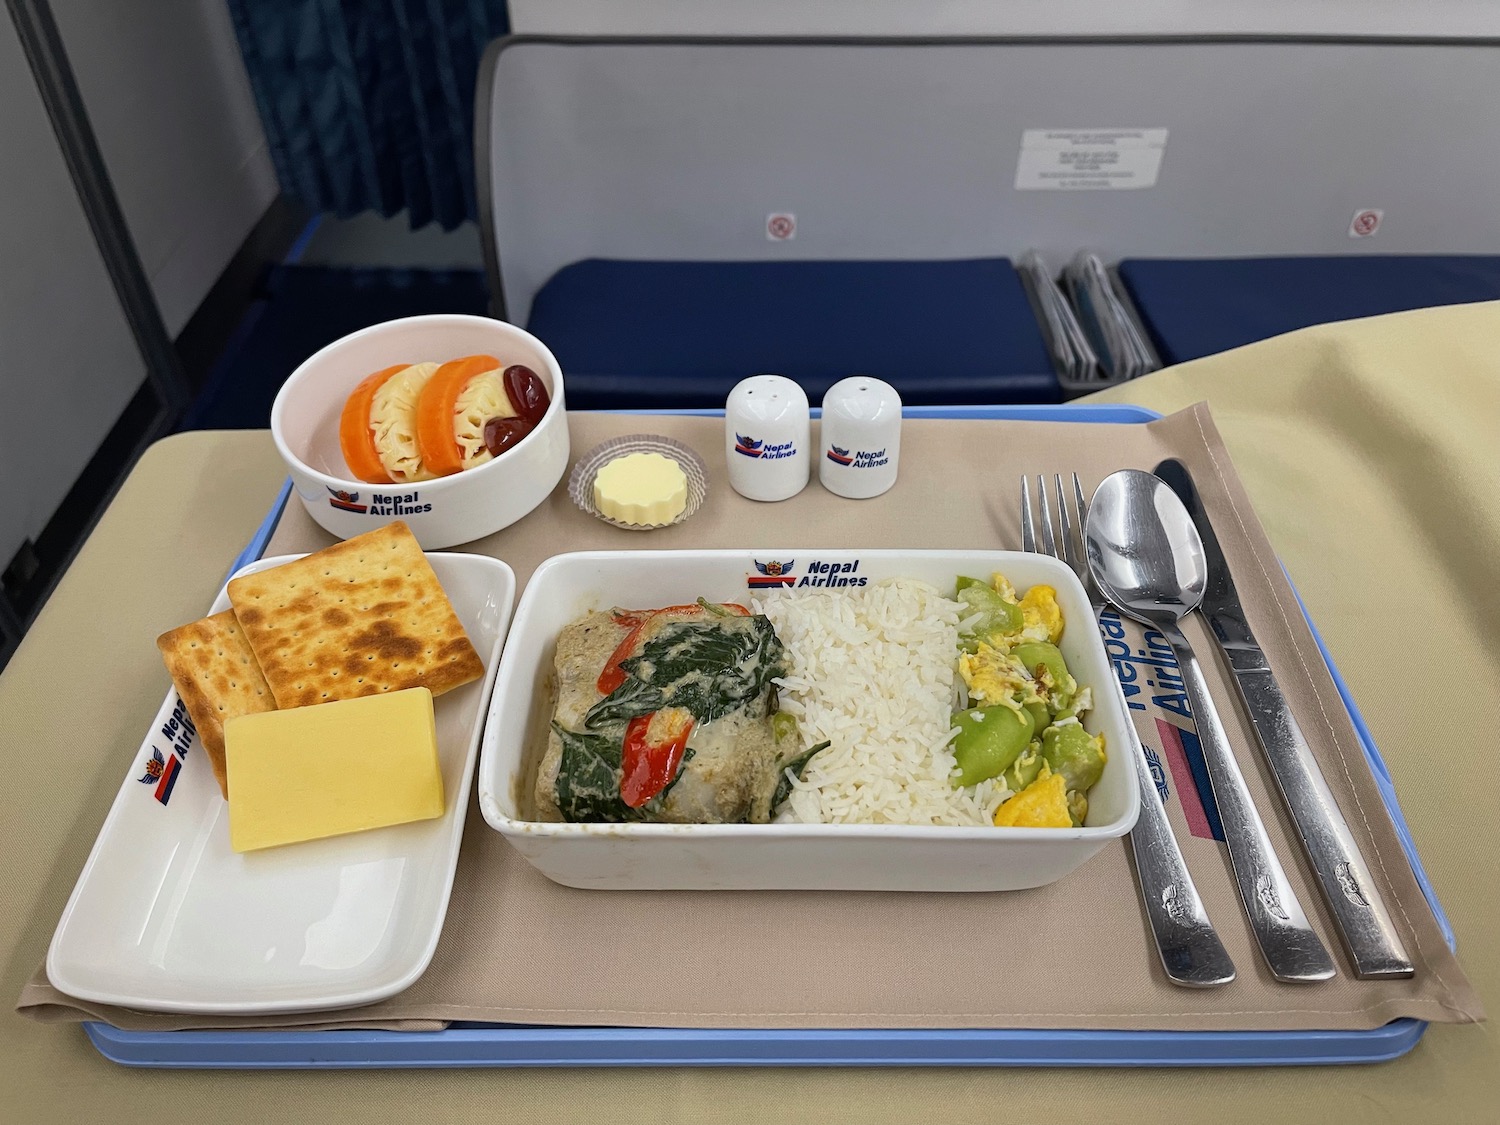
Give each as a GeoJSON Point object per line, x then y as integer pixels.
{"type": "Point", "coordinates": [309, 772]}
{"type": "Point", "coordinates": [641, 488]}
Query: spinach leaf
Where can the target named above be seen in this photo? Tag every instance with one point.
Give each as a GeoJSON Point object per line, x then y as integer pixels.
{"type": "Point", "coordinates": [633, 697]}
{"type": "Point", "coordinates": [798, 766]}
{"type": "Point", "coordinates": [588, 777]}
{"type": "Point", "coordinates": [709, 668]}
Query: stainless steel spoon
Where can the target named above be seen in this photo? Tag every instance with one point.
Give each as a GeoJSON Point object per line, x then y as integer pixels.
{"type": "Point", "coordinates": [1146, 556]}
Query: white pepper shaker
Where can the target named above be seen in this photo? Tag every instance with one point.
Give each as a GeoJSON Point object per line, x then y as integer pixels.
{"type": "Point", "coordinates": [767, 438]}
{"type": "Point", "coordinates": [861, 437]}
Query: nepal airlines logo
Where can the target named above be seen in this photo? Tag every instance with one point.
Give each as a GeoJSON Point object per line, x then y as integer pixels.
{"type": "Point", "coordinates": [771, 574]}
{"type": "Point", "coordinates": [346, 501]}
{"type": "Point", "coordinates": [770, 451]}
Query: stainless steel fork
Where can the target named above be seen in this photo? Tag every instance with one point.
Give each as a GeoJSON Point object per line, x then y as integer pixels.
{"type": "Point", "coordinates": [1190, 949]}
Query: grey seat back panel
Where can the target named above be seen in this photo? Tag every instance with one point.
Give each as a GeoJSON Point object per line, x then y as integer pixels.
{"type": "Point", "coordinates": [679, 150]}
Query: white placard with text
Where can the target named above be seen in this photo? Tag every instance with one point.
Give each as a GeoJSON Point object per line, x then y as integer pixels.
{"type": "Point", "coordinates": [1089, 159]}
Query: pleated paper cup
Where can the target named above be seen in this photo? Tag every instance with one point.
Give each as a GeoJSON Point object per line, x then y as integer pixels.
{"type": "Point", "coordinates": [581, 480]}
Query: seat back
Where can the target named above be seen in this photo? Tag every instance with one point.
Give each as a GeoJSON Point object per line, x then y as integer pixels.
{"type": "Point", "coordinates": [679, 150]}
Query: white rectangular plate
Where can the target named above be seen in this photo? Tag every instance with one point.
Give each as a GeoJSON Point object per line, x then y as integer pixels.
{"type": "Point", "coordinates": [167, 917]}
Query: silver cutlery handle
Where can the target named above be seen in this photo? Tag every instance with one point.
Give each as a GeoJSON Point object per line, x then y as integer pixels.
{"type": "Point", "coordinates": [1363, 921]}
{"type": "Point", "coordinates": [1190, 949]}
{"type": "Point", "coordinates": [1289, 944]}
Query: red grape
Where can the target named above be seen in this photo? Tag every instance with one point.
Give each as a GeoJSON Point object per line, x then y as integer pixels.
{"type": "Point", "coordinates": [526, 392]}
{"type": "Point", "coordinates": [501, 434]}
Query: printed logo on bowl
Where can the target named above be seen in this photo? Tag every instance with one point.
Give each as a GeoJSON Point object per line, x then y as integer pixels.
{"type": "Point", "coordinates": [769, 451]}
{"type": "Point", "coordinates": [161, 770]}
{"type": "Point", "coordinates": [774, 574]}
{"type": "Point", "coordinates": [380, 503]}
{"type": "Point", "coordinates": [781, 226]}
{"type": "Point", "coordinates": [858, 458]}
{"type": "Point", "coordinates": [346, 501]}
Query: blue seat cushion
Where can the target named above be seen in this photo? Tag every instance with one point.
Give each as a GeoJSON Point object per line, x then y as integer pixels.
{"type": "Point", "coordinates": [682, 334]}
{"type": "Point", "coordinates": [1197, 307]}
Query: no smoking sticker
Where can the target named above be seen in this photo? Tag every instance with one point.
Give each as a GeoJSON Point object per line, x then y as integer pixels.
{"type": "Point", "coordinates": [781, 226]}
{"type": "Point", "coordinates": [1366, 222]}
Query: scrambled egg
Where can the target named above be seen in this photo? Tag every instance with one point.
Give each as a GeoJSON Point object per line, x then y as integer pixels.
{"type": "Point", "coordinates": [1043, 617]}
{"type": "Point", "coordinates": [1003, 587]}
{"type": "Point", "coordinates": [996, 677]}
{"type": "Point", "coordinates": [1042, 804]}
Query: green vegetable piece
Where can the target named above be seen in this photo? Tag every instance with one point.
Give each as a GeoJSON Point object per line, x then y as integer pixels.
{"type": "Point", "coordinates": [716, 609]}
{"type": "Point", "coordinates": [997, 616]}
{"type": "Point", "coordinates": [1041, 718]}
{"type": "Point", "coordinates": [1025, 769]}
{"type": "Point", "coordinates": [1049, 656]}
{"type": "Point", "coordinates": [798, 767]}
{"type": "Point", "coordinates": [1075, 753]}
{"type": "Point", "coordinates": [989, 740]}
{"type": "Point", "coordinates": [1035, 654]}
{"type": "Point", "coordinates": [1070, 711]}
{"type": "Point", "coordinates": [964, 582]}
{"type": "Point", "coordinates": [783, 726]}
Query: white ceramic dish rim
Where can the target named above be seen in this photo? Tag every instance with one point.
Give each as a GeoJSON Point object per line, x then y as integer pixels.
{"type": "Point", "coordinates": [307, 370]}
{"type": "Point", "coordinates": [1114, 829]}
{"type": "Point", "coordinates": [452, 840]}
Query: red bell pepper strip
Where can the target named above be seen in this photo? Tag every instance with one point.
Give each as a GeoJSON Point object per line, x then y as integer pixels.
{"type": "Point", "coordinates": [613, 675]}
{"type": "Point", "coordinates": [650, 757]}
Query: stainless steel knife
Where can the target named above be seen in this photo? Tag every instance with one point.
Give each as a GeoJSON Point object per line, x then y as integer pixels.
{"type": "Point", "coordinates": [1364, 923]}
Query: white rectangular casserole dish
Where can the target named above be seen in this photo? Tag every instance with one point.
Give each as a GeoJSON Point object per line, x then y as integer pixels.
{"type": "Point", "coordinates": [778, 856]}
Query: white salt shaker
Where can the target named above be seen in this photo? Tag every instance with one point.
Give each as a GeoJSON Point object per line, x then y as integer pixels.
{"type": "Point", "coordinates": [767, 438]}
{"type": "Point", "coordinates": [861, 437]}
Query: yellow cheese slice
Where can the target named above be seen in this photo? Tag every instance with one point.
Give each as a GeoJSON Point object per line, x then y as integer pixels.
{"type": "Point", "coordinates": [309, 772]}
{"type": "Point", "coordinates": [641, 488]}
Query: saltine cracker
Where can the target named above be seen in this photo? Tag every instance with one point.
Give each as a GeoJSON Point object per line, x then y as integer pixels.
{"type": "Point", "coordinates": [218, 678]}
{"type": "Point", "coordinates": [364, 616]}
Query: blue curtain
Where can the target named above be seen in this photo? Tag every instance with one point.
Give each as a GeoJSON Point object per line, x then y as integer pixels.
{"type": "Point", "coordinates": [368, 105]}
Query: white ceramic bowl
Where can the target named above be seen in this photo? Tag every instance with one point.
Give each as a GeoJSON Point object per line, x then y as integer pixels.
{"type": "Point", "coordinates": [778, 856]}
{"type": "Point", "coordinates": [443, 512]}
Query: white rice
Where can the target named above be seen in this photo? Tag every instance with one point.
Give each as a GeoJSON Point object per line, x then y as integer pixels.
{"type": "Point", "coordinates": [873, 672]}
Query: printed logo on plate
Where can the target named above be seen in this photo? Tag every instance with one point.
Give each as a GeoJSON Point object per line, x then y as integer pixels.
{"type": "Point", "coordinates": [774, 574]}
{"type": "Point", "coordinates": [781, 226]}
{"type": "Point", "coordinates": [770, 451]}
{"type": "Point", "coordinates": [858, 458]}
{"type": "Point", "coordinates": [161, 770]}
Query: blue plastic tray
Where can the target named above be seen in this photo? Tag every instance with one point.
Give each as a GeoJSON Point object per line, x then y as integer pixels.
{"type": "Point", "coordinates": [469, 1044]}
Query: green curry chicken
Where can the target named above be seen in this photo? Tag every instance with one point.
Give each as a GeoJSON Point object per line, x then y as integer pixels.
{"type": "Point", "coordinates": [1022, 724]}
{"type": "Point", "coordinates": [666, 715]}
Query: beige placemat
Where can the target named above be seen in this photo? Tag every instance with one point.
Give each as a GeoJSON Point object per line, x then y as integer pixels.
{"type": "Point", "coordinates": [1077, 954]}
